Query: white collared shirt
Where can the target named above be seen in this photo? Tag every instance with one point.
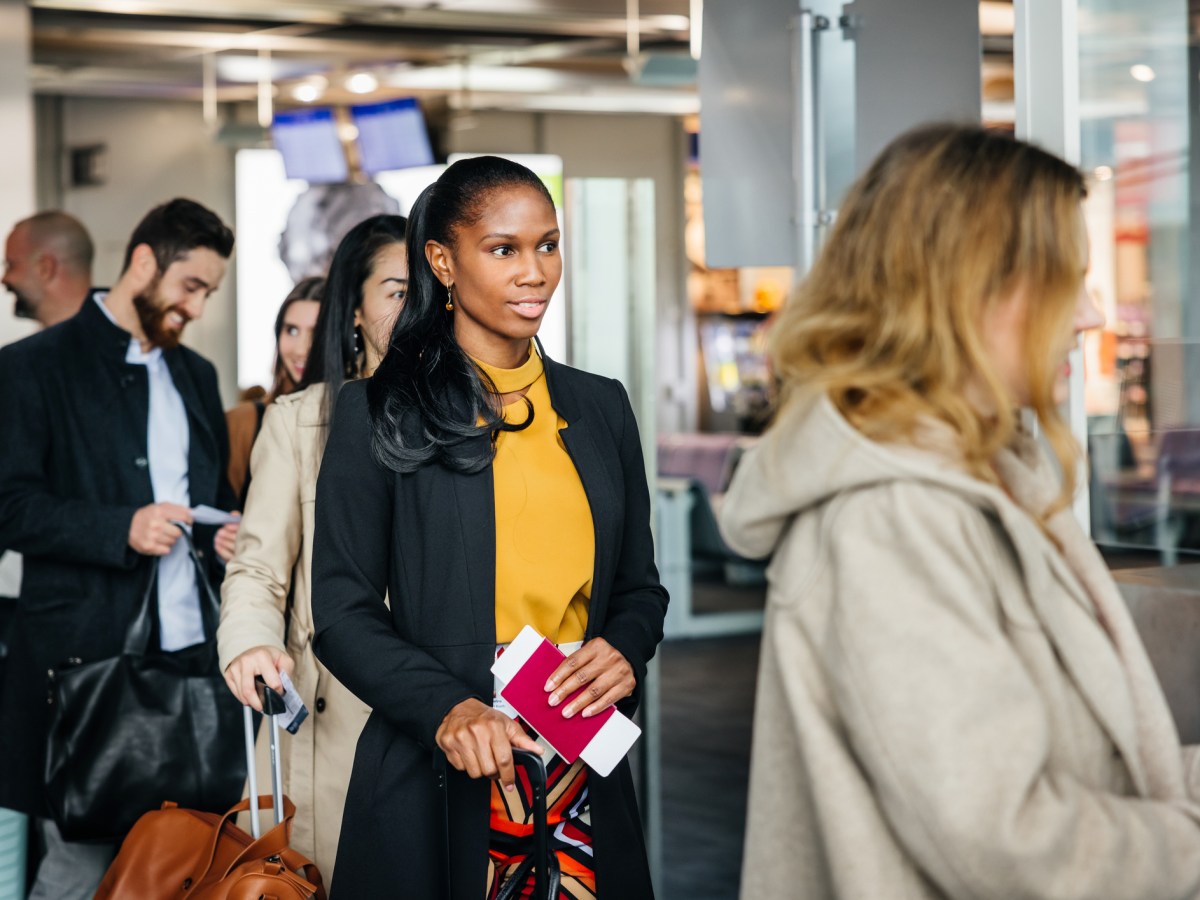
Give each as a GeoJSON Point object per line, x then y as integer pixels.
{"type": "Point", "coordinates": [167, 444]}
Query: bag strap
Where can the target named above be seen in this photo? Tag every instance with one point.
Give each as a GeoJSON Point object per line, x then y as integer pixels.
{"type": "Point", "coordinates": [212, 614]}
{"type": "Point", "coordinates": [298, 862]}
{"type": "Point", "coordinates": [273, 842]}
{"type": "Point", "coordinates": [137, 636]}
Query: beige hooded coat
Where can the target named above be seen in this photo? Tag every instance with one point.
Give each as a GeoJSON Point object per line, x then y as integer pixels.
{"type": "Point", "coordinates": [274, 556]}
{"type": "Point", "coordinates": [948, 705]}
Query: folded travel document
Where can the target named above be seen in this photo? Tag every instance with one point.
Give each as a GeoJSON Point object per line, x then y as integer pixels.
{"type": "Point", "coordinates": [523, 668]}
{"type": "Point", "coordinates": [207, 515]}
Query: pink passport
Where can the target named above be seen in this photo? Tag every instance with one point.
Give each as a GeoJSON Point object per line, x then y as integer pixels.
{"type": "Point", "coordinates": [522, 670]}
{"type": "Point", "coordinates": [527, 695]}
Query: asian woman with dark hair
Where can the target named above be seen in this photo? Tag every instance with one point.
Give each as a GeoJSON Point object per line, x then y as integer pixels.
{"type": "Point", "coordinates": [482, 487]}
{"type": "Point", "coordinates": [352, 337]}
{"type": "Point", "coordinates": [266, 618]}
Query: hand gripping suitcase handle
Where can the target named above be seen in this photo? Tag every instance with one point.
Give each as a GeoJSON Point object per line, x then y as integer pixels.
{"type": "Point", "coordinates": [272, 705]}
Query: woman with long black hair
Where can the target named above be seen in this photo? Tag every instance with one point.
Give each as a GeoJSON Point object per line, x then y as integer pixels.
{"type": "Point", "coordinates": [266, 618]}
{"type": "Point", "coordinates": [484, 487]}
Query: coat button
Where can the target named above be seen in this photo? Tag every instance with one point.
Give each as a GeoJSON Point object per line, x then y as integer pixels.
{"type": "Point", "coordinates": [320, 704]}
{"type": "Point", "coordinates": [141, 462]}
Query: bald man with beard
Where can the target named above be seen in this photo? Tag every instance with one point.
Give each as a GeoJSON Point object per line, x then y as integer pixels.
{"type": "Point", "coordinates": [48, 267]}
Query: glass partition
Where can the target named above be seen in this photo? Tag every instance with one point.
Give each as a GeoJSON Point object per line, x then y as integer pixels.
{"type": "Point", "coordinates": [1138, 80]}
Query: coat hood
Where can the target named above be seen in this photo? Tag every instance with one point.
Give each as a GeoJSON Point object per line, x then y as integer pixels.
{"type": "Point", "coordinates": [812, 454]}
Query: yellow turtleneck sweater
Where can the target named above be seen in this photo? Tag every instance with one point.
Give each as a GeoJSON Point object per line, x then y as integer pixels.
{"type": "Point", "coordinates": [545, 541]}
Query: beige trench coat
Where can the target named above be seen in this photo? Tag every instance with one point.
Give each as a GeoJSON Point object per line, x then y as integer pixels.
{"type": "Point", "coordinates": [274, 555]}
{"type": "Point", "coordinates": [948, 706]}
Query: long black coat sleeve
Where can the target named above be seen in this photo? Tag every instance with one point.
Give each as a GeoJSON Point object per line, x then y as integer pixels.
{"type": "Point", "coordinates": [352, 559]}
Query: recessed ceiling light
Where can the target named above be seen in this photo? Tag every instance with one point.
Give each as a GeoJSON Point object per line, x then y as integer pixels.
{"type": "Point", "coordinates": [361, 83]}
{"type": "Point", "coordinates": [1142, 73]}
{"type": "Point", "coordinates": [306, 93]}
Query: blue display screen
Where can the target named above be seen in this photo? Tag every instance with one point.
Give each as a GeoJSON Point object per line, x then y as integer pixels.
{"type": "Point", "coordinates": [308, 141]}
{"type": "Point", "coordinates": [392, 135]}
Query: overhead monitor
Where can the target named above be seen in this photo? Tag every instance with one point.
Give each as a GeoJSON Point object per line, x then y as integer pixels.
{"type": "Point", "coordinates": [391, 136]}
{"type": "Point", "coordinates": [307, 139]}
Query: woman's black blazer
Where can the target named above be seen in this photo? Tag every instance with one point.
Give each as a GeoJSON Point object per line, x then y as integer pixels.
{"type": "Point", "coordinates": [428, 540]}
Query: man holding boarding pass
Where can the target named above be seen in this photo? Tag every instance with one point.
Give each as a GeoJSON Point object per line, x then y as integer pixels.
{"type": "Point", "coordinates": [113, 432]}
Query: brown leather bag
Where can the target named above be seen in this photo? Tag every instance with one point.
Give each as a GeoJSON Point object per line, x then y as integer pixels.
{"type": "Point", "coordinates": [182, 854]}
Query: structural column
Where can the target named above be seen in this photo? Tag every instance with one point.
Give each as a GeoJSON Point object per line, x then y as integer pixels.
{"type": "Point", "coordinates": [1046, 83]}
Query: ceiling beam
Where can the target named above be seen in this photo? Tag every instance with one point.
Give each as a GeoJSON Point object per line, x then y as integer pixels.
{"type": "Point", "coordinates": [418, 17]}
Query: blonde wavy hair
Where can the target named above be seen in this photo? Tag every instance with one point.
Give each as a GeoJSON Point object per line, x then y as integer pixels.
{"type": "Point", "coordinates": [947, 222]}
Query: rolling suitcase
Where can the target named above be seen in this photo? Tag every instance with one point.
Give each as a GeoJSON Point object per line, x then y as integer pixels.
{"type": "Point", "coordinates": [174, 853]}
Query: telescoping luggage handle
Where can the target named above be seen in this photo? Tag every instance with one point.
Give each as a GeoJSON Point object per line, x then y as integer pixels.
{"type": "Point", "coordinates": [272, 705]}
{"type": "Point", "coordinates": [542, 861]}
{"type": "Point", "coordinates": [544, 864]}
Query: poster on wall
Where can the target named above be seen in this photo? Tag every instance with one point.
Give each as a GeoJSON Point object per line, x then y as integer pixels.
{"type": "Point", "coordinates": [288, 229]}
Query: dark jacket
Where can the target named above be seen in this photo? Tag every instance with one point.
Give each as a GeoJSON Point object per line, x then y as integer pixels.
{"type": "Point", "coordinates": [73, 470]}
{"type": "Point", "coordinates": [429, 540]}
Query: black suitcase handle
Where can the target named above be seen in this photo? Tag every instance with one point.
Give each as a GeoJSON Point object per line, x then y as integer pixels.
{"type": "Point", "coordinates": [542, 860]}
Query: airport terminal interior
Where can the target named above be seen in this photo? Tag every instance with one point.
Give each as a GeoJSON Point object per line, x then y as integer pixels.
{"type": "Point", "coordinates": [696, 152]}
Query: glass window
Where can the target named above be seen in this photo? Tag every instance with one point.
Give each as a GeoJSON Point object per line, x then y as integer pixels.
{"type": "Point", "coordinates": [1138, 80]}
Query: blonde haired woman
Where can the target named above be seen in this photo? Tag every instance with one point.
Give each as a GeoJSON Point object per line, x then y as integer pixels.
{"type": "Point", "coordinates": [952, 701]}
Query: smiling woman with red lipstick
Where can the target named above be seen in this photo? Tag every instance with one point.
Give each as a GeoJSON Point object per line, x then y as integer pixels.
{"type": "Point", "coordinates": [482, 487]}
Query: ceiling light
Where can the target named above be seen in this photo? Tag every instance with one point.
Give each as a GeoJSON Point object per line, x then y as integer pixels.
{"type": "Point", "coordinates": [361, 83]}
{"type": "Point", "coordinates": [306, 93]}
{"type": "Point", "coordinates": [1142, 73]}
{"type": "Point", "coordinates": [479, 78]}
{"type": "Point", "coordinates": [1103, 173]}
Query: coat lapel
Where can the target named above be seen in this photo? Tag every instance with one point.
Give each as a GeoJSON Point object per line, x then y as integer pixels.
{"type": "Point", "coordinates": [475, 498]}
{"type": "Point", "coordinates": [599, 485]}
{"type": "Point", "coordinates": [1086, 651]}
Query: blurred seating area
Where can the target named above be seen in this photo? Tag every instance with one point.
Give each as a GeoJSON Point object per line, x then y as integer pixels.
{"type": "Point", "coordinates": [694, 471]}
{"type": "Point", "coordinates": [1149, 499]}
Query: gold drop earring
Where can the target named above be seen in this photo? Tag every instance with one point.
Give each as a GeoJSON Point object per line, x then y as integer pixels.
{"type": "Point", "coordinates": [450, 297]}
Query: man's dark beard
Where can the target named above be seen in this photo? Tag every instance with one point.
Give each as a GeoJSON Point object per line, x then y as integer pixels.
{"type": "Point", "coordinates": [152, 316]}
{"type": "Point", "coordinates": [22, 308]}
